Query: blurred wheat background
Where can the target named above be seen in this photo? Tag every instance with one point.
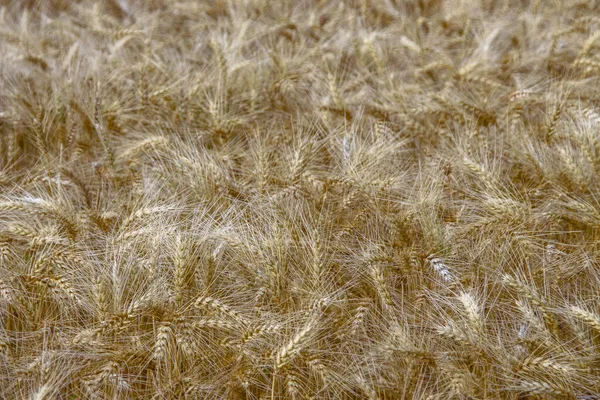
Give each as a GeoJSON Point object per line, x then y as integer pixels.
{"type": "Point", "coordinates": [299, 199]}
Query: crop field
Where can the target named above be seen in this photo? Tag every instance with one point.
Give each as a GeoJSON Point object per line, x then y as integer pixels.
{"type": "Point", "coordinates": [300, 199]}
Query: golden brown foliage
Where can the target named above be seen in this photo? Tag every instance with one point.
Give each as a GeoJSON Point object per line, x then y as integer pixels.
{"type": "Point", "coordinates": [302, 199]}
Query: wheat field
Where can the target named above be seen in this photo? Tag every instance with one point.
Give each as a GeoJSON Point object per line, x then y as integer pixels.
{"type": "Point", "coordinates": [300, 199]}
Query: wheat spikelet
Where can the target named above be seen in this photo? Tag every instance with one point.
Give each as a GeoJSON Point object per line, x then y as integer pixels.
{"type": "Point", "coordinates": [380, 285]}
{"type": "Point", "coordinates": [292, 384]}
{"type": "Point", "coordinates": [547, 364]}
{"type": "Point", "coordinates": [453, 333]}
{"type": "Point", "coordinates": [185, 338]}
{"type": "Point", "coordinates": [221, 62]}
{"type": "Point", "coordinates": [542, 388]}
{"type": "Point", "coordinates": [141, 146]}
{"type": "Point", "coordinates": [259, 330]}
{"type": "Point", "coordinates": [215, 323]}
{"type": "Point", "coordinates": [209, 302]}
{"type": "Point", "coordinates": [472, 311]}
{"type": "Point", "coordinates": [534, 299]}
{"type": "Point", "coordinates": [182, 271]}
{"type": "Point", "coordinates": [144, 212]}
{"type": "Point", "coordinates": [287, 352]}
{"type": "Point", "coordinates": [357, 319]}
{"type": "Point", "coordinates": [164, 337]}
{"type": "Point", "coordinates": [587, 45]}
{"type": "Point", "coordinates": [479, 170]}
{"type": "Point", "coordinates": [590, 319]}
